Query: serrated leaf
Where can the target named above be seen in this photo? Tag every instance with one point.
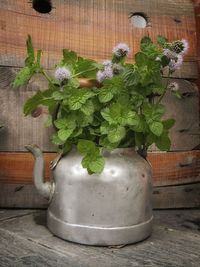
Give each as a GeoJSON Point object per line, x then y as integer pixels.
{"type": "Point", "coordinates": [106, 115]}
{"type": "Point", "coordinates": [131, 77]}
{"type": "Point", "coordinates": [167, 124]}
{"type": "Point", "coordinates": [97, 165]}
{"type": "Point", "coordinates": [56, 140]}
{"type": "Point", "coordinates": [86, 147]}
{"type": "Point", "coordinates": [57, 95]}
{"type": "Point", "coordinates": [141, 59]}
{"type": "Point", "coordinates": [116, 134]}
{"type": "Point", "coordinates": [23, 76]}
{"type": "Point", "coordinates": [156, 128]}
{"type": "Point", "coordinates": [163, 142]}
{"type": "Point", "coordinates": [61, 123]}
{"type": "Point", "coordinates": [64, 134]}
{"type": "Point", "coordinates": [29, 61]}
{"type": "Point", "coordinates": [78, 98]}
{"type": "Point", "coordinates": [86, 68]}
{"type": "Point", "coordinates": [32, 103]}
{"type": "Point", "coordinates": [105, 95]}
{"type": "Point", "coordinates": [88, 108]}
{"type": "Point", "coordinates": [69, 57]}
{"type": "Point", "coordinates": [161, 40]}
{"type": "Point", "coordinates": [145, 43]}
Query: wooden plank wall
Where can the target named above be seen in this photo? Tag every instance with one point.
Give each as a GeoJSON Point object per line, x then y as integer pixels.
{"type": "Point", "coordinates": [92, 27]}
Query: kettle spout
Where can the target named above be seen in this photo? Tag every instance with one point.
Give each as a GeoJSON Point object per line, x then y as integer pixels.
{"type": "Point", "coordinates": [44, 188]}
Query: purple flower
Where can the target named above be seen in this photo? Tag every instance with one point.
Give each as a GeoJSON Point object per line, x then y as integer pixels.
{"type": "Point", "coordinates": [180, 47]}
{"type": "Point", "coordinates": [107, 63]}
{"type": "Point", "coordinates": [100, 76]}
{"type": "Point", "coordinates": [107, 73]}
{"type": "Point", "coordinates": [170, 54]}
{"type": "Point", "coordinates": [185, 46]}
{"type": "Point", "coordinates": [62, 74]}
{"type": "Point", "coordinates": [121, 50]}
{"type": "Point", "coordinates": [175, 64]}
{"type": "Point", "coordinates": [174, 87]}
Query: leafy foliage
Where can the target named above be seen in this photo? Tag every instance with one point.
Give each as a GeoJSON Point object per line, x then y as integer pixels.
{"type": "Point", "coordinates": [122, 111]}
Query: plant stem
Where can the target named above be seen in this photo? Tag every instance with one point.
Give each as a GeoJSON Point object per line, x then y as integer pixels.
{"type": "Point", "coordinates": [46, 76]}
{"type": "Point", "coordinates": [77, 74]}
{"type": "Point", "coordinates": [161, 97]}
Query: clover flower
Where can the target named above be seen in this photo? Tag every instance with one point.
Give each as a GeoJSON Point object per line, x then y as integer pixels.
{"type": "Point", "coordinates": [173, 86]}
{"type": "Point", "coordinates": [121, 50]}
{"type": "Point", "coordinates": [175, 64]}
{"type": "Point", "coordinates": [62, 74]}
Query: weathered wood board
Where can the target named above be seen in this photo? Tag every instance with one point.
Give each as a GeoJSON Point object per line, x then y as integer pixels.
{"type": "Point", "coordinates": [19, 130]}
{"type": "Point", "coordinates": [172, 168]}
{"type": "Point", "coordinates": [165, 197]}
{"type": "Point", "coordinates": [26, 241]}
{"type": "Point", "coordinates": [91, 28]}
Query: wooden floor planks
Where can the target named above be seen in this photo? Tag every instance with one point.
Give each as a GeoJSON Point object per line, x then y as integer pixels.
{"type": "Point", "coordinates": [25, 241]}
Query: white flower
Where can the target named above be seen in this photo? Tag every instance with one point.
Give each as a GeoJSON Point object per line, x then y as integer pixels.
{"type": "Point", "coordinates": [185, 46]}
{"type": "Point", "coordinates": [174, 87]}
{"type": "Point", "coordinates": [62, 74]}
{"type": "Point", "coordinates": [107, 63]}
{"type": "Point", "coordinates": [170, 54]}
{"type": "Point", "coordinates": [175, 64]}
{"type": "Point", "coordinates": [121, 50]}
{"type": "Point", "coordinates": [107, 73]}
{"type": "Point", "coordinates": [100, 76]}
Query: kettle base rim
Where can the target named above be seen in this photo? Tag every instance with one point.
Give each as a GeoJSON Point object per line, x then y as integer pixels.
{"type": "Point", "coordinates": [99, 235]}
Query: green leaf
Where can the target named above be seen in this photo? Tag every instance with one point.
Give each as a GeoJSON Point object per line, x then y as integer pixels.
{"type": "Point", "coordinates": [131, 77]}
{"type": "Point", "coordinates": [96, 165]}
{"type": "Point", "coordinates": [61, 123]}
{"type": "Point", "coordinates": [56, 140]}
{"type": "Point", "coordinates": [116, 134]}
{"type": "Point", "coordinates": [69, 57]}
{"type": "Point", "coordinates": [23, 76]}
{"type": "Point", "coordinates": [64, 134]}
{"type": "Point", "coordinates": [156, 128]}
{"type": "Point", "coordinates": [86, 68]}
{"type": "Point", "coordinates": [105, 95]}
{"type": "Point", "coordinates": [161, 40]}
{"type": "Point", "coordinates": [39, 52]}
{"type": "Point", "coordinates": [29, 61]}
{"type": "Point", "coordinates": [167, 124]}
{"type": "Point", "coordinates": [57, 95]}
{"type": "Point", "coordinates": [78, 98]}
{"type": "Point", "coordinates": [32, 103]}
{"type": "Point", "coordinates": [88, 107]}
{"type": "Point", "coordinates": [163, 142]}
{"type": "Point", "coordinates": [141, 59]}
{"type": "Point", "coordinates": [104, 142]}
{"type": "Point", "coordinates": [86, 147]}
{"type": "Point", "coordinates": [145, 43]}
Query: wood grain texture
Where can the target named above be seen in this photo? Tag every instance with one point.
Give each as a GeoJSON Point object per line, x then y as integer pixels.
{"type": "Point", "coordinates": [91, 28]}
{"type": "Point", "coordinates": [167, 197]}
{"type": "Point", "coordinates": [179, 196]}
{"type": "Point", "coordinates": [173, 168]}
{"type": "Point", "coordinates": [175, 241]}
{"type": "Point", "coordinates": [19, 130]}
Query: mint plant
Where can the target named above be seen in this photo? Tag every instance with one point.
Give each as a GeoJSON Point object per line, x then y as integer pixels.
{"type": "Point", "coordinates": [124, 110]}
